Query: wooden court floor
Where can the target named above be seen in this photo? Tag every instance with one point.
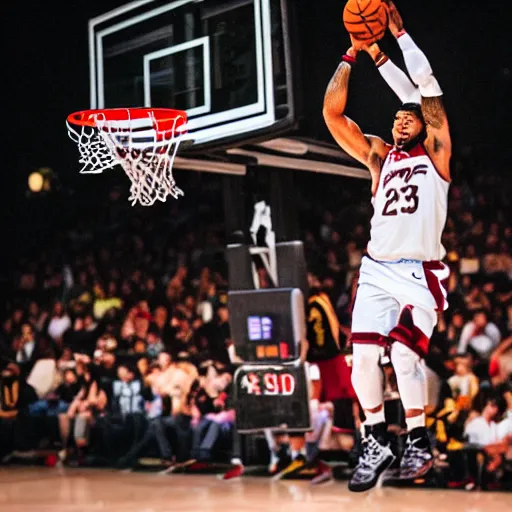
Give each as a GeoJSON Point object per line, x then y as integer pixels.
{"type": "Point", "coordinates": [79, 490]}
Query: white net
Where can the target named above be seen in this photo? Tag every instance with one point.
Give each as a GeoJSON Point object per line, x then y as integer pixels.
{"type": "Point", "coordinates": [144, 147]}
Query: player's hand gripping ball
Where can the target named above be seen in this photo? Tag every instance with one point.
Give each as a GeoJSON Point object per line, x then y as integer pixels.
{"type": "Point", "coordinates": [366, 20]}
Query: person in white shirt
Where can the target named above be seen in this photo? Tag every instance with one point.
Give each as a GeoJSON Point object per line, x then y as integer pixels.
{"type": "Point", "coordinates": [483, 430]}
{"type": "Point", "coordinates": [494, 438]}
{"type": "Point", "coordinates": [59, 322]}
{"type": "Point", "coordinates": [479, 334]}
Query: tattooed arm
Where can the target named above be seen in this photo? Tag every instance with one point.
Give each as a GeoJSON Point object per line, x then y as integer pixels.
{"type": "Point", "coordinates": [367, 149]}
{"type": "Point", "coordinates": [438, 143]}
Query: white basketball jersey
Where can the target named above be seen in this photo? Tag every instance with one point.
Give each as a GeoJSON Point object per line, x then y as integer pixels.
{"type": "Point", "coordinates": [410, 208]}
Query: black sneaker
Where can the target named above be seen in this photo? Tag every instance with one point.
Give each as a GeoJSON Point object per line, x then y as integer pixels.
{"type": "Point", "coordinates": [376, 457]}
{"type": "Point", "coordinates": [417, 459]}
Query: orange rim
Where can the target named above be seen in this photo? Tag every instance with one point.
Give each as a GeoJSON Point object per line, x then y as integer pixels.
{"type": "Point", "coordinates": [166, 118]}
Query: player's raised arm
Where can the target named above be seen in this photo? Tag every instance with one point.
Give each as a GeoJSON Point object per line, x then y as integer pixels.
{"type": "Point", "coordinates": [367, 149]}
{"type": "Point", "coordinates": [397, 80]}
{"type": "Point", "coordinates": [438, 142]}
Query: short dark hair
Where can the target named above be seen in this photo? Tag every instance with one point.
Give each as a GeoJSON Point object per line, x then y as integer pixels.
{"type": "Point", "coordinates": [414, 108]}
{"type": "Point", "coordinates": [481, 311]}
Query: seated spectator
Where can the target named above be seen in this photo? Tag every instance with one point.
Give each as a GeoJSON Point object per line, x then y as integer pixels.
{"type": "Point", "coordinates": [482, 429]}
{"type": "Point", "coordinates": [87, 405]}
{"type": "Point", "coordinates": [122, 426]}
{"type": "Point", "coordinates": [154, 343]}
{"type": "Point", "coordinates": [10, 387]}
{"type": "Point", "coordinates": [454, 328]}
{"type": "Point", "coordinates": [493, 438]}
{"type": "Point", "coordinates": [475, 299]}
{"type": "Point", "coordinates": [44, 376]}
{"type": "Point", "coordinates": [36, 316]}
{"type": "Point", "coordinates": [103, 303]}
{"type": "Point", "coordinates": [57, 401]}
{"type": "Point", "coordinates": [59, 323]}
{"type": "Point", "coordinates": [469, 263]}
{"type": "Point", "coordinates": [480, 336]}
{"type": "Point", "coordinates": [210, 416]}
{"type": "Point", "coordinates": [128, 327]}
{"type": "Point", "coordinates": [464, 383]}
{"type": "Point", "coordinates": [81, 337]}
{"type": "Point", "coordinates": [66, 360]}
{"type": "Point", "coordinates": [184, 335]}
{"type": "Point", "coordinates": [159, 324]}
{"type": "Point", "coordinates": [126, 393]}
{"type": "Point", "coordinates": [156, 405]}
{"type": "Point", "coordinates": [27, 349]}
{"type": "Point", "coordinates": [498, 259]}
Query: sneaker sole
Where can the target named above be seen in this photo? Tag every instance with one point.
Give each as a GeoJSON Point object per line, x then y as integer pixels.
{"type": "Point", "coordinates": [420, 474]}
{"type": "Point", "coordinates": [378, 480]}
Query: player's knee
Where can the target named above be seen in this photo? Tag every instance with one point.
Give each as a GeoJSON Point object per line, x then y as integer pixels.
{"type": "Point", "coordinates": [404, 360]}
{"type": "Point", "coordinates": [365, 358]}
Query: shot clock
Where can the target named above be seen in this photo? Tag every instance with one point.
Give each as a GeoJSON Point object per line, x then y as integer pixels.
{"type": "Point", "coordinates": [267, 325]}
{"type": "Point", "coordinates": [270, 388]}
{"type": "Point", "coordinates": [271, 396]}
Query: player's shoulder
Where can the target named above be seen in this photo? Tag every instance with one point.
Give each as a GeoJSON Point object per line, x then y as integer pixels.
{"type": "Point", "coordinates": [378, 144]}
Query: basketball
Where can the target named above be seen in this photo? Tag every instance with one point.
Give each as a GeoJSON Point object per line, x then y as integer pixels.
{"type": "Point", "coordinates": [366, 20]}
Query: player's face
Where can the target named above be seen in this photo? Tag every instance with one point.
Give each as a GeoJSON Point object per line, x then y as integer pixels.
{"type": "Point", "coordinates": [406, 127]}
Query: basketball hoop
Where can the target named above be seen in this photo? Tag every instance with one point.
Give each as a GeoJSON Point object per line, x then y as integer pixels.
{"type": "Point", "coordinates": [144, 141]}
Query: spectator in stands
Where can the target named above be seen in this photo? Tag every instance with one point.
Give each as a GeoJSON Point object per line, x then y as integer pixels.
{"type": "Point", "coordinates": [482, 337]}
{"type": "Point", "coordinates": [89, 402]}
{"type": "Point", "coordinates": [103, 302]}
{"type": "Point", "coordinates": [210, 416]}
{"type": "Point", "coordinates": [469, 263]}
{"type": "Point", "coordinates": [59, 323]}
{"type": "Point", "coordinates": [464, 383]}
{"type": "Point", "coordinates": [154, 343]}
{"type": "Point", "coordinates": [27, 350]}
{"type": "Point", "coordinates": [490, 436]}
{"type": "Point", "coordinates": [122, 426]}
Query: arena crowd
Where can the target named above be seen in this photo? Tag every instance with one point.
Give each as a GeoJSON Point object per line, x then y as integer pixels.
{"type": "Point", "coordinates": [115, 340]}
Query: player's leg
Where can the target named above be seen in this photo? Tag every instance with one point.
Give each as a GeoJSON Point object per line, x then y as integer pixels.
{"type": "Point", "coordinates": [411, 337]}
{"type": "Point", "coordinates": [373, 316]}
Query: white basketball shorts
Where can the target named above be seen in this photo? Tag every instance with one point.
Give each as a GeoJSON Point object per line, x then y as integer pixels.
{"type": "Point", "coordinates": [398, 301]}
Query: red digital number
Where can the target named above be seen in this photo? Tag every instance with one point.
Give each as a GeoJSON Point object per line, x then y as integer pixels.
{"type": "Point", "coordinates": [271, 384]}
{"type": "Point", "coordinates": [287, 382]}
{"type": "Point", "coordinates": [283, 384]}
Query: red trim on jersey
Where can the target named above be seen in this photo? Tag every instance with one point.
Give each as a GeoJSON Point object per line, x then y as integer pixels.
{"type": "Point", "coordinates": [413, 338]}
{"type": "Point", "coordinates": [400, 154]}
{"type": "Point", "coordinates": [407, 333]}
{"type": "Point", "coordinates": [418, 150]}
{"type": "Point", "coordinates": [434, 284]}
{"type": "Point", "coordinates": [369, 338]}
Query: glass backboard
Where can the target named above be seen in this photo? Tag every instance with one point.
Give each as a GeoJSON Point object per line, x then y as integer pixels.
{"type": "Point", "coordinates": [226, 62]}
